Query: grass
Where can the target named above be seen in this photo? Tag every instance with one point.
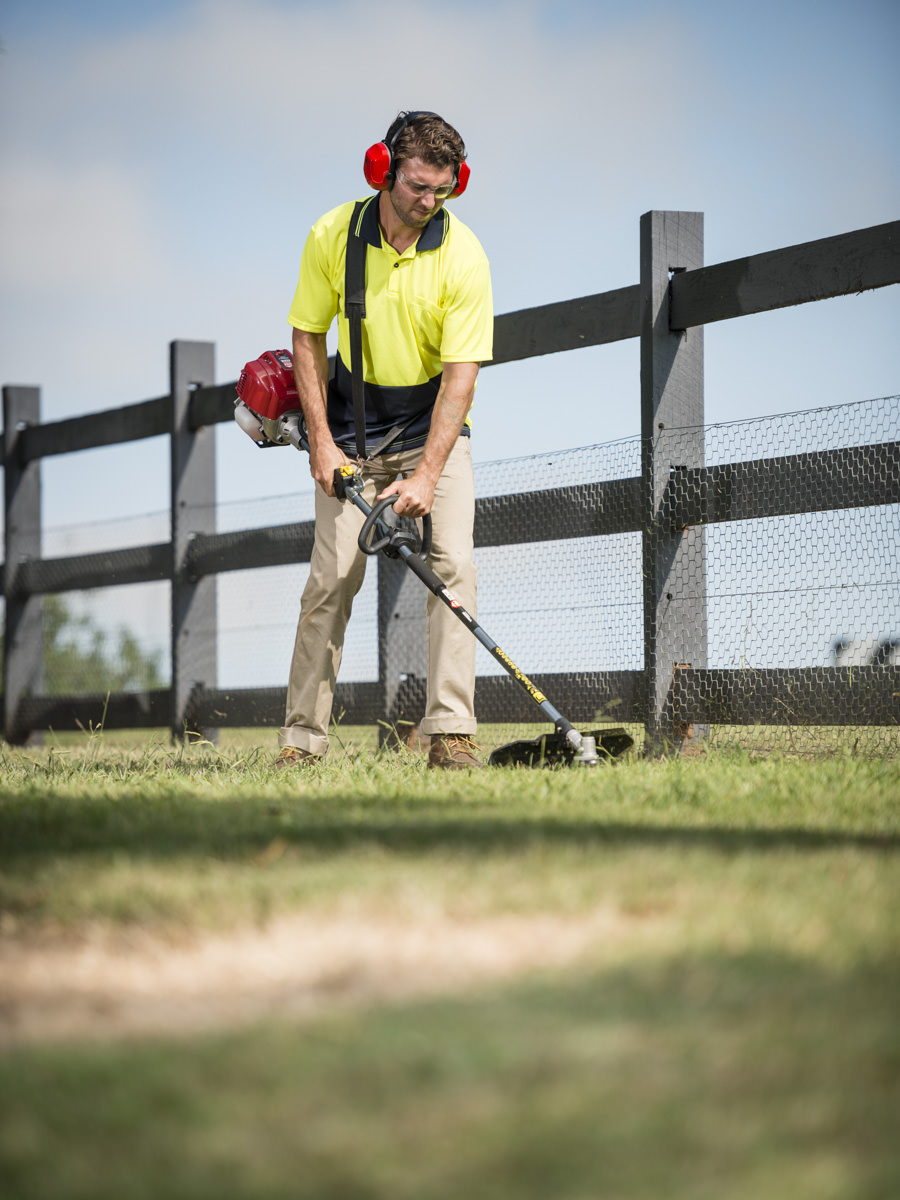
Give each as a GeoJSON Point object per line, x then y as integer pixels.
{"type": "Point", "coordinates": [738, 1038]}
{"type": "Point", "coordinates": [694, 1077]}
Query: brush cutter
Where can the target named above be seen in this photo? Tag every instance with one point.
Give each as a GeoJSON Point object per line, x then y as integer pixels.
{"type": "Point", "coordinates": [268, 410]}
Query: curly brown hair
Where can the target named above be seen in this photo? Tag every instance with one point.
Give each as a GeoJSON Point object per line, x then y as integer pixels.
{"type": "Point", "coordinates": [428, 137]}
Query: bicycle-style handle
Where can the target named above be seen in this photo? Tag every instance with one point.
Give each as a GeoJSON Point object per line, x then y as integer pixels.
{"type": "Point", "coordinates": [395, 536]}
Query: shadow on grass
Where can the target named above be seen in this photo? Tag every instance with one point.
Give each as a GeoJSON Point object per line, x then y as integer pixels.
{"type": "Point", "coordinates": [46, 827]}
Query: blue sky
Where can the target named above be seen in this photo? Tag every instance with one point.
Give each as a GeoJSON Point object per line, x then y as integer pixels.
{"type": "Point", "coordinates": [160, 165]}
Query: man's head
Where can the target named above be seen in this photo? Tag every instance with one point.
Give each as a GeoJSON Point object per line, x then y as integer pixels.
{"type": "Point", "coordinates": [428, 137]}
{"type": "Point", "coordinates": [423, 136]}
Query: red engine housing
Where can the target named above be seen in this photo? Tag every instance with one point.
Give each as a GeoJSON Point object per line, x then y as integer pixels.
{"type": "Point", "coordinates": [267, 385]}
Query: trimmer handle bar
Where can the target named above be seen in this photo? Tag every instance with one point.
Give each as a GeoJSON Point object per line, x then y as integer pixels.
{"type": "Point", "coordinates": [393, 536]}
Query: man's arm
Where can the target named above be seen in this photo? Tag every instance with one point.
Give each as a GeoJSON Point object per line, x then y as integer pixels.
{"type": "Point", "coordinates": [454, 399]}
{"type": "Point", "coordinates": [311, 377]}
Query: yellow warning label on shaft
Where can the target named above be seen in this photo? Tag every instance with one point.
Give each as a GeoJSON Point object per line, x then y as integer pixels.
{"type": "Point", "coordinates": [523, 679]}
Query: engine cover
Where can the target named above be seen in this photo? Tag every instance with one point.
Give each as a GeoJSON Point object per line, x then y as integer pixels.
{"type": "Point", "coordinates": [267, 385]}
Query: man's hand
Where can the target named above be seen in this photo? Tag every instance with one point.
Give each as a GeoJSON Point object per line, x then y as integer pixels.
{"type": "Point", "coordinates": [416, 495]}
{"type": "Point", "coordinates": [324, 460]}
{"type": "Point", "coordinates": [311, 377]}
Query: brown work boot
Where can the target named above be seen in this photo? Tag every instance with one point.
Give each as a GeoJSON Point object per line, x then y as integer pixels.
{"type": "Point", "coordinates": [293, 756]}
{"type": "Point", "coordinates": [452, 752]}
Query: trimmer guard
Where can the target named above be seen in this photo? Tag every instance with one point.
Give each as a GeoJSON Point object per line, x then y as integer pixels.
{"type": "Point", "coordinates": [553, 750]}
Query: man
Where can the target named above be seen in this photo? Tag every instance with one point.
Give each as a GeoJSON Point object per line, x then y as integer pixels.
{"type": "Point", "coordinates": [428, 326]}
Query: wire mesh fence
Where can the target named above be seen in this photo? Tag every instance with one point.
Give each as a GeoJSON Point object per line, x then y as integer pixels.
{"type": "Point", "coordinates": [795, 581]}
{"type": "Point", "coordinates": [800, 579]}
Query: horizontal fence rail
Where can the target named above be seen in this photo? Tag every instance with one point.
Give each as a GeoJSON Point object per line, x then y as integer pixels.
{"type": "Point", "coordinates": [839, 696]}
{"type": "Point", "coordinates": [801, 483]}
{"type": "Point", "coordinates": [664, 504]}
{"type": "Point", "coordinates": [77, 572]}
{"type": "Point", "coordinates": [857, 696]}
{"type": "Point", "coordinates": [114, 427]}
{"type": "Point", "coordinates": [820, 270]}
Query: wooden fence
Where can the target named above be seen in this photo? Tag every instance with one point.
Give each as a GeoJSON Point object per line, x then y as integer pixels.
{"type": "Point", "coordinates": [670, 503]}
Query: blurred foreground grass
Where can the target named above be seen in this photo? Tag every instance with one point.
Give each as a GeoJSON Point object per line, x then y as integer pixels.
{"type": "Point", "coordinates": [694, 1077]}
{"type": "Point", "coordinates": [742, 1040]}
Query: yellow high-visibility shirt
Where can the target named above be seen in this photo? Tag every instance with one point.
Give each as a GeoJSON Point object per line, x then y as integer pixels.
{"type": "Point", "coordinates": [430, 305]}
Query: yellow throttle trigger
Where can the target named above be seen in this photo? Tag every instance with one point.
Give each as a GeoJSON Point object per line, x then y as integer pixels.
{"type": "Point", "coordinates": [345, 477]}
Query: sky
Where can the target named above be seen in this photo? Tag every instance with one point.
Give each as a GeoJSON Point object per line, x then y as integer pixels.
{"type": "Point", "coordinates": [161, 163]}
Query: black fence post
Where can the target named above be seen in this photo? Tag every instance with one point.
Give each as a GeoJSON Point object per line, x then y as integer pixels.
{"type": "Point", "coordinates": [402, 654]}
{"type": "Point", "coordinates": [672, 436]}
{"type": "Point", "coordinates": [193, 484]}
{"type": "Point", "coordinates": [23, 650]}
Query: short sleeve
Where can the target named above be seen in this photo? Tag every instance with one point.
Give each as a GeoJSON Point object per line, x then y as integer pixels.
{"type": "Point", "coordinates": [468, 332]}
{"type": "Point", "coordinates": [316, 299]}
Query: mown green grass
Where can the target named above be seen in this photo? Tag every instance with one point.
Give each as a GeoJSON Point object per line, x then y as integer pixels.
{"type": "Point", "coordinates": [200, 838]}
{"type": "Point", "coordinates": [741, 1040]}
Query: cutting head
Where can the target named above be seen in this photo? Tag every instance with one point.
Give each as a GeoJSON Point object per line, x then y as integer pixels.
{"type": "Point", "coordinates": [555, 750]}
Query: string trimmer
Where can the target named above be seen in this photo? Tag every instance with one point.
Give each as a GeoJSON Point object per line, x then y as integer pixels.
{"type": "Point", "coordinates": [267, 409]}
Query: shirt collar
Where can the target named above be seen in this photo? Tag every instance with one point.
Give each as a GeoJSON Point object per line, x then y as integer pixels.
{"type": "Point", "coordinates": [431, 237]}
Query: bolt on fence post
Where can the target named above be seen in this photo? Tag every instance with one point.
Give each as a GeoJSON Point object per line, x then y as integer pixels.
{"type": "Point", "coordinates": [193, 500]}
{"type": "Point", "coordinates": [23, 650]}
{"type": "Point", "coordinates": [672, 441]}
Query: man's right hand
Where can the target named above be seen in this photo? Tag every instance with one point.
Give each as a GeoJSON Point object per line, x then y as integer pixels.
{"type": "Point", "coordinates": [323, 462]}
{"type": "Point", "coordinates": [311, 378]}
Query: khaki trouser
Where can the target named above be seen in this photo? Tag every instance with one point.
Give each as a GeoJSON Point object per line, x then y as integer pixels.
{"type": "Point", "coordinates": [336, 574]}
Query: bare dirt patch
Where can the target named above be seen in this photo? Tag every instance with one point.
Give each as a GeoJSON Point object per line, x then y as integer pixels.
{"type": "Point", "coordinates": [298, 967]}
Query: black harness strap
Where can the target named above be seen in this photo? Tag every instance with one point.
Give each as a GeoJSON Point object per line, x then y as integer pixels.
{"type": "Point", "coordinates": [355, 311]}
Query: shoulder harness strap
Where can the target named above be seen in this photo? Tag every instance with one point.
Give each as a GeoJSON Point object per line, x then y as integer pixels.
{"type": "Point", "coordinates": [355, 311]}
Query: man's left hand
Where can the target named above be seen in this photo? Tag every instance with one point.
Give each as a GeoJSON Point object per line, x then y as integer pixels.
{"type": "Point", "coordinates": [415, 496]}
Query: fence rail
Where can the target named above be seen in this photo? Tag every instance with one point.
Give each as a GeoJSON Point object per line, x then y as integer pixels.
{"type": "Point", "coordinates": [672, 503]}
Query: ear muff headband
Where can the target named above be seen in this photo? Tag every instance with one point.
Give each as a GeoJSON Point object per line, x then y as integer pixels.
{"type": "Point", "coordinates": [378, 165]}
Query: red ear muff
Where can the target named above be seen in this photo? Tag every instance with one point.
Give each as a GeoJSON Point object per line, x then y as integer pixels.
{"type": "Point", "coordinates": [462, 179]}
{"type": "Point", "coordinates": [377, 167]}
